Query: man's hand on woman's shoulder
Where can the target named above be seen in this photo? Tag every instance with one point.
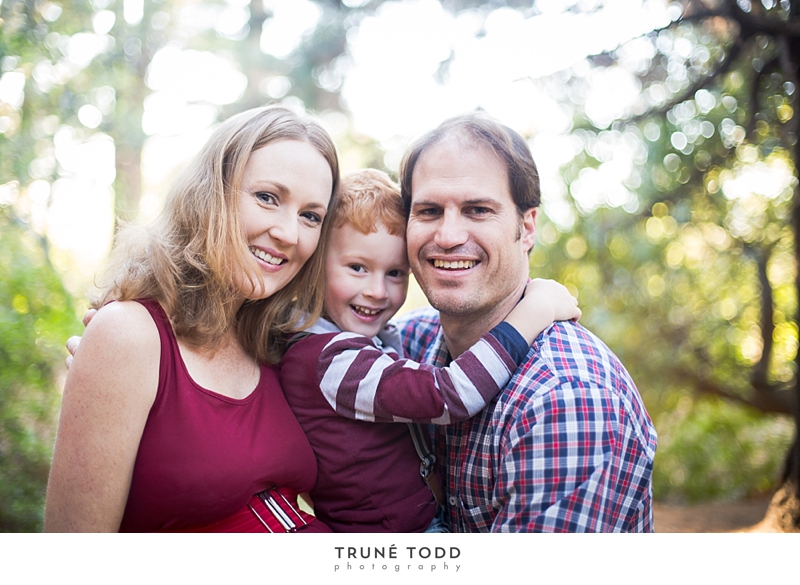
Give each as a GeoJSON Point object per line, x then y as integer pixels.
{"type": "Point", "coordinates": [74, 341]}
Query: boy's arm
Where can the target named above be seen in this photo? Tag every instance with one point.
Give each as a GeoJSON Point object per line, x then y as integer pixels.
{"type": "Point", "coordinates": [361, 382]}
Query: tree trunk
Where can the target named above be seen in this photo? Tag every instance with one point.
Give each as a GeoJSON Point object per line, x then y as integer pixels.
{"type": "Point", "coordinates": [784, 510]}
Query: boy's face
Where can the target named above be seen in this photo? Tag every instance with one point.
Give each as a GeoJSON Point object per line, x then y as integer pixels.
{"type": "Point", "coordinates": [366, 278]}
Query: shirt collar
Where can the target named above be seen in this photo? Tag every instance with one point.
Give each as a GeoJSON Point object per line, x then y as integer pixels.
{"type": "Point", "coordinates": [388, 337]}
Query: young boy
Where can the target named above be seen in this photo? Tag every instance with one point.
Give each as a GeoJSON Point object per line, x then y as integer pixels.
{"type": "Point", "coordinates": [346, 382]}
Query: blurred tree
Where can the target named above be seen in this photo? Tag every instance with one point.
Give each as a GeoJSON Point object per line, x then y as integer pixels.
{"type": "Point", "coordinates": [36, 313]}
{"type": "Point", "coordinates": [717, 451]}
{"type": "Point", "coordinates": [117, 79]}
{"type": "Point", "coordinates": [311, 74]}
{"type": "Point", "coordinates": [687, 207]}
{"type": "Point", "coordinates": [36, 69]}
{"type": "Point", "coordinates": [36, 316]}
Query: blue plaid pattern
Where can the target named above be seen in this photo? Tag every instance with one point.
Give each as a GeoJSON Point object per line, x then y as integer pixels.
{"type": "Point", "coordinates": [567, 446]}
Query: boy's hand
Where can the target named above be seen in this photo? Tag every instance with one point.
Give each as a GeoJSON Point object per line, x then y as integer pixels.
{"type": "Point", "coordinates": [74, 341]}
{"type": "Point", "coordinates": [545, 295]}
{"type": "Point", "coordinates": [545, 301]}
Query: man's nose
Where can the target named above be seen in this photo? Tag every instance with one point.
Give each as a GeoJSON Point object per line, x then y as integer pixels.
{"type": "Point", "coordinates": [451, 231]}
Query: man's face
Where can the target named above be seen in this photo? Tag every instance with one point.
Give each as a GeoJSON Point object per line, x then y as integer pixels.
{"type": "Point", "coordinates": [466, 242]}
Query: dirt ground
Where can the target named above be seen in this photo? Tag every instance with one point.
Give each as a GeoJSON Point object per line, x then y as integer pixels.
{"type": "Point", "coordinates": [714, 517]}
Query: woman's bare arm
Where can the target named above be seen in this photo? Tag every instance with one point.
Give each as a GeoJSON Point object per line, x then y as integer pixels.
{"type": "Point", "coordinates": [108, 394]}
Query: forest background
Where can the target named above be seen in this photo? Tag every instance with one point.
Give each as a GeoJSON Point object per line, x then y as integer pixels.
{"type": "Point", "coordinates": [665, 133]}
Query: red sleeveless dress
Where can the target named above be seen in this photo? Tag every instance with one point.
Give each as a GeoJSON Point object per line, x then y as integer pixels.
{"type": "Point", "coordinates": [203, 455]}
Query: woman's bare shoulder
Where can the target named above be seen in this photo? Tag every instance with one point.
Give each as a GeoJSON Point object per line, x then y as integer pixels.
{"type": "Point", "coordinates": [123, 323]}
{"type": "Point", "coordinates": [120, 347]}
{"type": "Point", "coordinates": [110, 389]}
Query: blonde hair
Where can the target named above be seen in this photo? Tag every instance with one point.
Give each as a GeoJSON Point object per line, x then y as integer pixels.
{"type": "Point", "coordinates": [369, 198]}
{"type": "Point", "coordinates": [186, 259]}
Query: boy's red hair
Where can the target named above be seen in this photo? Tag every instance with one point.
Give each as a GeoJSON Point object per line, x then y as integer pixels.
{"type": "Point", "coordinates": [367, 199]}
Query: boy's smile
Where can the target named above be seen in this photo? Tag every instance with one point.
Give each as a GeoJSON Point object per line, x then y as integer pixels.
{"type": "Point", "coordinates": [366, 278]}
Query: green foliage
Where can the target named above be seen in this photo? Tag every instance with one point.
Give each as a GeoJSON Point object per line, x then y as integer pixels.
{"type": "Point", "coordinates": [36, 317]}
{"type": "Point", "coordinates": [33, 41]}
{"type": "Point", "coordinates": [680, 243]}
{"type": "Point", "coordinates": [688, 277]}
{"type": "Point", "coordinates": [713, 450]}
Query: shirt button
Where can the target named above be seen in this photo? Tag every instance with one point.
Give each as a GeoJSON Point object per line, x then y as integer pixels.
{"type": "Point", "coordinates": [453, 500]}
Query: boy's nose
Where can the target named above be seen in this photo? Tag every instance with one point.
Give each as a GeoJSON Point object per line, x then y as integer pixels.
{"type": "Point", "coordinates": [376, 288]}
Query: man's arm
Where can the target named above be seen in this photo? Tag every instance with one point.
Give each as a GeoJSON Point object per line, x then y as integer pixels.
{"type": "Point", "coordinates": [74, 341]}
{"type": "Point", "coordinates": [573, 459]}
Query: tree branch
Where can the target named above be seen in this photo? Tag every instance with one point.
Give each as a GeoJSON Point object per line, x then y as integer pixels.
{"type": "Point", "coordinates": [702, 83]}
{"type": "Point", "coordinates": [776, 400]}
{"type": "Point", "coordinates": [790, 70]}
{"type": "Point", "coordinates": [761, 257]}
{"type": "Point", "coordinates": [606, 56]}
{"type": "Point", "coordinates": [754, 23]}
{"type": "Point", "coordinates": [753, 97]}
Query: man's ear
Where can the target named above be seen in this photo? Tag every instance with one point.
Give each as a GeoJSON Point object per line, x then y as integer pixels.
{"type": "Point", "coordinates": [528, 228]}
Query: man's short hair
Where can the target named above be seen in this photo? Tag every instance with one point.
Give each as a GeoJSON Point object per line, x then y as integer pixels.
{"type": "Point", "coordinates": [478, 129]}
{"type": "Point", "coordinates": [367, 199]}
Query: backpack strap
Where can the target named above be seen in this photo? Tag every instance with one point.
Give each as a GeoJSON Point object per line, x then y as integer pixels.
{"type": "Point", "coordinates": [297, 337]}
{"type": "Point", "coordinates": [427, 463]}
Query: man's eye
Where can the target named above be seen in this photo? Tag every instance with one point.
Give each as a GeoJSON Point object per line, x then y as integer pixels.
{"type": "Point", "coordinates": [428, 211]}
{"type": "Point", "coordinates": [480, 210]}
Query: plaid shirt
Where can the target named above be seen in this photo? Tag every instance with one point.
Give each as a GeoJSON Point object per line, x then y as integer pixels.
{"type": "Point", "coordinates": [567, 447]}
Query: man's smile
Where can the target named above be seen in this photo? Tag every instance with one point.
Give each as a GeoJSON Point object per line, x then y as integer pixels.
{"type": "Point", "coordinates": [454, 264]}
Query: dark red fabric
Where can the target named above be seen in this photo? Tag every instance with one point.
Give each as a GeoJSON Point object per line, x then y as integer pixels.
{"type": "Point", "coordinates": [203, 455]}
{"type": "Point", "coordinates": [368, 478]}
{"type": "Point", "coordinates": [246, 520]}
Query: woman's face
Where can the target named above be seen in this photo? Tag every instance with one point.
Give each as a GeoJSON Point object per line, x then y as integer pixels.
{"type": "Point", "coordinates": [284, 197]}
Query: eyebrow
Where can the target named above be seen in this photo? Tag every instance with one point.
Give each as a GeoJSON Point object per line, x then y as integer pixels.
{"type": "Point", "coordinates": [488, 201]}
{"type": "Point", "coordinates": [477, 201]}
{"type": "Point", "coordinates": [270, 185]}
{"type": "Point", "coordinates": [424, 203]}
{"type": "Point", "coordinates": [318, 206]}
{"type": "Point", "coordinates": [361, 257]}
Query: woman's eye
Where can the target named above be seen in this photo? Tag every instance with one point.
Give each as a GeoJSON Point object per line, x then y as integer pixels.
{"type": "Point", "coordinates": [267, 198]}
{"type": "Point", "coordinates": [312, 217]}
